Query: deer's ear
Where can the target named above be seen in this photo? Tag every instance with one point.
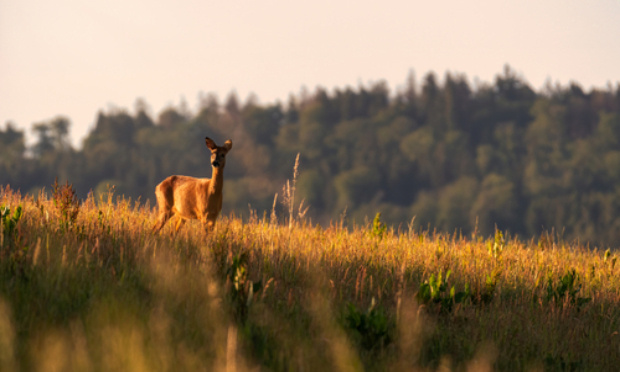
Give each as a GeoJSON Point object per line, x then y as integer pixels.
{"type": "Point", "coordinates": [227, 145]}
{"type": "Point", "coordinates": [210, 144]}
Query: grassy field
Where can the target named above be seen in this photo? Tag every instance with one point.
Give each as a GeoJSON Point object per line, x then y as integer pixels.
{"type": "Point", "coordinates": [88, 287]}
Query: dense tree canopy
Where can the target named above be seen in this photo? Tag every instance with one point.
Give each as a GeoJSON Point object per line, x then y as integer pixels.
{"type": "Point", "coordinates": [457, 158]}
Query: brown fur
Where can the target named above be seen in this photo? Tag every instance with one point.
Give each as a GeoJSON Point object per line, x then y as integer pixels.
{"type": "Point", "coordinates": [190, 198]}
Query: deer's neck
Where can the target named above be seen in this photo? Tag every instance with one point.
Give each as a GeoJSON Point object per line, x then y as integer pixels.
{"type": "Point", "coordinates": [217, 181]}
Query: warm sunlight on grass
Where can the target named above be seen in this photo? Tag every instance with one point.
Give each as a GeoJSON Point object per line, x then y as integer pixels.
{"type": "Point", "coordinates": [88, 287]}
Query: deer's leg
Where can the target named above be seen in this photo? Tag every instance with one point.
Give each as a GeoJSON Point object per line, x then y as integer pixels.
{"type": "Point", "coordinates": [208, 224]}
{"type": "Point", "coordinates": [180, 222]}
{"type": "Point", "coordinates": [161, 221]}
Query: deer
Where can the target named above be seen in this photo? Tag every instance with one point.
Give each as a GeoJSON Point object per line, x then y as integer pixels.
{"type": "Point", "coordinates": [189, 198]}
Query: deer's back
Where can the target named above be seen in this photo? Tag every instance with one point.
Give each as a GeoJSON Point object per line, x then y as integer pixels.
{"type": "Point", "coordinates": [184, 194]}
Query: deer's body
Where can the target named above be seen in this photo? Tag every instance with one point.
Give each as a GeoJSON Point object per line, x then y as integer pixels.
{"type": "Point", "coordinates": [189, 198]}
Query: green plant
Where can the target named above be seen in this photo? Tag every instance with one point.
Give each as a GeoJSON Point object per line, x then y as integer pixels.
{"type": "Point", "coordinates": [378, 227]}
{"type": "Point", "coordinates": [607, 258]}
{"type": "Point", "coordinates": [12, 243]}
{"type": "Point", "coordinates": [372, 329]}
{"type": "Point", "coordinates": [490, 284]}
{"type": "Point", "coordinates": [567, 289]}
{"type": "Point", "coordinates": [497, 245]}
{"type": "Point", "coordinates": [435, 291]}
{"type": "Point", "coordinates": [9, 222]}
{"type": "Point", "coordinates": [241, 289]}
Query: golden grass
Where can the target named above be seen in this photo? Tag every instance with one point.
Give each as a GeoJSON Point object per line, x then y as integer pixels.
{"type": "Point", "coordinates": [101, 292]}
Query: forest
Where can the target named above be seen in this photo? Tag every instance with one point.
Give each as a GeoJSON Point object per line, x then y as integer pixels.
{"type": "Point", "coordinates": [440, 154]}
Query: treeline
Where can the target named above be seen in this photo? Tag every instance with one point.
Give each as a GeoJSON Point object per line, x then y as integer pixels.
{"type": "Point", "coordinates": [457, 158]}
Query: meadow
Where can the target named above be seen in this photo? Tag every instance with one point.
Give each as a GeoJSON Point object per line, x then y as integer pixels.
{"type": "Point", "coordinates": [87, 286]}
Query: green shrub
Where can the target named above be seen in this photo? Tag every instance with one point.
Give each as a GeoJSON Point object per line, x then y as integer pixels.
{"type": "Point", "coordinates": [372, 329]}
{"type": "Point", "coordinates": [566, 289]}
{"type": "Point", "coordinates": [435, 291]}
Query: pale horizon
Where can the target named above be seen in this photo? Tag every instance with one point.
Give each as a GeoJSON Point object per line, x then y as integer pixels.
{"type": "Point", "coordinates": [75, 58]}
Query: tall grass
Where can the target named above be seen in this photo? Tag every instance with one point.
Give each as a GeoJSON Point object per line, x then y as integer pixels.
{"type": "Point", "coordinates": [96, 290]}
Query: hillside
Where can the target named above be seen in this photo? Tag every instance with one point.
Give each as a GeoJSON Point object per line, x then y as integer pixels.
{"type": "Point", "coordinates": [456, 156]}
{"type": "Point", "coordinates": [87, 286]}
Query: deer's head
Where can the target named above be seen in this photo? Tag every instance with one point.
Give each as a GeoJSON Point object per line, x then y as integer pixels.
{"type": "Point", "coordinates": [218, 153]}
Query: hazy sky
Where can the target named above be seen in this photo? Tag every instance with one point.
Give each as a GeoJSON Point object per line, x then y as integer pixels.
{"type": "Point", "coordinates": [76, 57]}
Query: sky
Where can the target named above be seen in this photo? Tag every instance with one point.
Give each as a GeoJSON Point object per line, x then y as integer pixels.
{"type": "Point", "coordinates": [76, 58]}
